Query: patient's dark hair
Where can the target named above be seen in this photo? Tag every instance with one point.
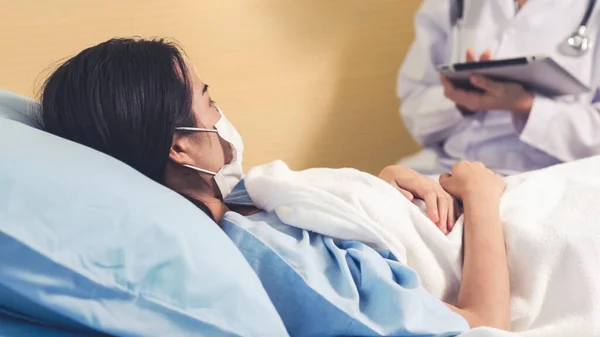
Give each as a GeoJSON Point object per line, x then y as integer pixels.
{"type": "Point", "coordinates": [122, 97]}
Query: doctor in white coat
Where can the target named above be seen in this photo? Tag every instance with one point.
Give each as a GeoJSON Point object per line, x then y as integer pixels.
{"type": "Point", "coordinates": [507, 128]}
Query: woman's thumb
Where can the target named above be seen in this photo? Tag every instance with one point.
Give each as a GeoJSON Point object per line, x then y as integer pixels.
{"type": "Point", "coordinates": [444, 177]}
{"type": "Point", "coordinates": [446, 182]}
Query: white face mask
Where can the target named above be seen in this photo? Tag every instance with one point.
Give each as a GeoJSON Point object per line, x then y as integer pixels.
{"type": "Point", "coordinates": [230, 174]}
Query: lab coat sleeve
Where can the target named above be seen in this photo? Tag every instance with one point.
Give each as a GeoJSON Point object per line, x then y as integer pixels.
{"type": "Point", "coordinates": [427, 114]}
{"type": "Point", "coordinates": [565, 130]}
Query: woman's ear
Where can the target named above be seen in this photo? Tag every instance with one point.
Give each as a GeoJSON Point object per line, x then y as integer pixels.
{"type": "Point", "coordinates": [180, 150]}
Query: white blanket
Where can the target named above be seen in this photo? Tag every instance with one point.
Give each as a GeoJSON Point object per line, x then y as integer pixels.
{"type": "Point", "coordinates": [551, 222]}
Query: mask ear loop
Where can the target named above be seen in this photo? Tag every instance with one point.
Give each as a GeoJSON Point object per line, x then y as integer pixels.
{"type": "Point", "coordinates": [194, 129]}
{"type": "Point", "coordinates": [199, 169]}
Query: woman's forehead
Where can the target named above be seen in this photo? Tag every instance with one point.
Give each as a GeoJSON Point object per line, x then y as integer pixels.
{"type": "Point", "coordinates": [193, 75]}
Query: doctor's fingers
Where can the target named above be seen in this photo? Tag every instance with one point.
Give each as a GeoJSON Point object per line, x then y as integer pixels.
{"type": "Point", "coordinates": [470, 55]}
{"type": "Point", "coordinates": [486, 55]}
{"type": "Point", "coordinates": [446, 83]}
{"type": "Point", "coordinates": [458, 96]}
{"type": "Point", "coordinates": [489, 86]}
{"type": "Point", "coordinates": [473, 101]}
{"type": "Point", "coordinates": [450, 91]}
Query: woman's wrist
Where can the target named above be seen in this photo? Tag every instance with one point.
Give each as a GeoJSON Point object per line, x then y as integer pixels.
{"type": "Point", "coordinates": [479, 199]}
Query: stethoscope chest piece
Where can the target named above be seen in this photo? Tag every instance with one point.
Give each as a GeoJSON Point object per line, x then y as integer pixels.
{"type": "Point", "coordinates": [577, 44]}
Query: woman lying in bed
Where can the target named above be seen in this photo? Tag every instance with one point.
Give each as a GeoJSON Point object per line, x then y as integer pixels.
{"type": "Point", "coordinates": [141, 102]}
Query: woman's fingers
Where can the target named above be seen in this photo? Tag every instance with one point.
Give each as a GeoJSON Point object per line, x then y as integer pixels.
{"type": "Point", "coordinates": [432, 206]}
{"type": "Point", "coordinates": [405, 193]}
{"type": "Point", "coordinates": [444, 176]}
{"type": "Point", "coordinates": [451, 214]}
{"type": "Point", "coordinates": [443, 212]}
{"type": "Point", "coordinates": [446, 182]}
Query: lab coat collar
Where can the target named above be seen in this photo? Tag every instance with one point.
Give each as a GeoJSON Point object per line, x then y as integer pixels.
{"type": "Point", "coordinates": [531, 7]}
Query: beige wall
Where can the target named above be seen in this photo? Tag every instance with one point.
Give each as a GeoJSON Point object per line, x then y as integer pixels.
{"type": "Point", "coordinates": [307, 81]}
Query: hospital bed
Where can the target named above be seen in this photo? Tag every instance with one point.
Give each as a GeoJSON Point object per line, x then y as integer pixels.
{"type": "Point", "coordinates": [69, 231]}
{"type": "Point", "coordinates": [83, 251]}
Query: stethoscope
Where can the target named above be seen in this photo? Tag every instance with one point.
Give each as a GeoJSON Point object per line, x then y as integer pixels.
{"type": "Point", "coordinates": [575, 45]}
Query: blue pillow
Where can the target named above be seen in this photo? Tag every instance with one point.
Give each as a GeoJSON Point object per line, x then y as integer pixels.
{"type": "Point", "coordinates": [19, 108]}
{"type": "Point", "coordinates": [88, 243]}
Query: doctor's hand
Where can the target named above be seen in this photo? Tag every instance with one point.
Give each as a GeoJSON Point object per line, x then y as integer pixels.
{"type": "Point", "coordinates": [470, 57]}
{"type": "Point", "coordinates": [495, 96]}
{"type": "Point", "coordinates": [485, 56]}
{"type": "Point", "coordinates": [441, 207]}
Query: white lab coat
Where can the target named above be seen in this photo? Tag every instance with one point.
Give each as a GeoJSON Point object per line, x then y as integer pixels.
{"type": "Point", "coordinates": [557, 130]}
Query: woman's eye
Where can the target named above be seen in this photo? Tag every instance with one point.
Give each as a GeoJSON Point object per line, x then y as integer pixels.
{"type": "Point", "coordinates": [211, 102]}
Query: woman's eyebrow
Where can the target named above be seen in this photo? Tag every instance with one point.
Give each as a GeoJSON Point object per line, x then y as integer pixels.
{"type": "Point", "coordinates": [205, 89]}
